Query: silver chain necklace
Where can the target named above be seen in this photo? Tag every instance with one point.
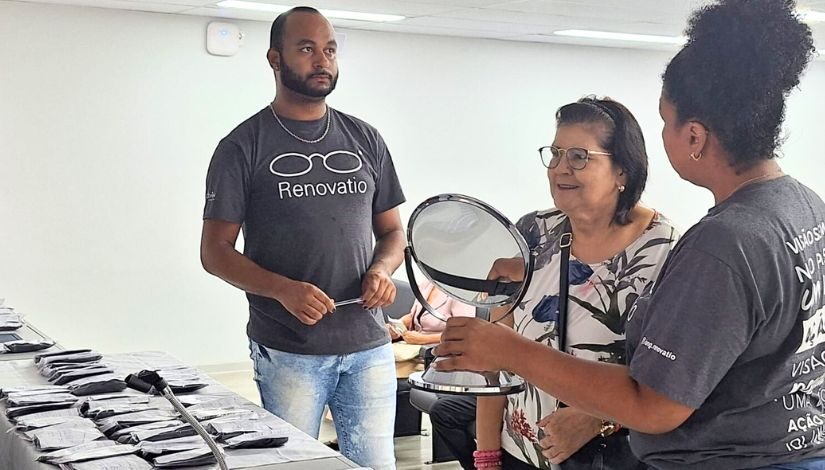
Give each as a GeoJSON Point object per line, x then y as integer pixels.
{"type": "Point", "coordinates": [306, 141]}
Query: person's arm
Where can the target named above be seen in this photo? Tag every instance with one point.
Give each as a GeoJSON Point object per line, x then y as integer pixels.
{"type": "Point", "coordinates": [377, 288]}
{"type": "Point", "coordinates": [490, 410]}
{"type": "Point", "coordinates": [603, 390]}
{"type": "Point", "coordinates": [489, 422]}
{"type": "Point", "coordinates": [227, 192]}
{"type": "Point", "coordinates": [685, 345]}
{"type": "Point", "coordinates": [416, 337]}
{"type": "Point", "coordinates": [220, 258]}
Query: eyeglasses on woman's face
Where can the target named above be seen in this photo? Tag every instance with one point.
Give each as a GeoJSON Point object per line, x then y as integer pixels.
{"type": "Point", "coordinates": [577, 157]}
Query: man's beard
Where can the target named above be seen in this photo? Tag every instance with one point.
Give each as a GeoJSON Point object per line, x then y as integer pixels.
{"type": "Point", "coordinates": [299, 85]}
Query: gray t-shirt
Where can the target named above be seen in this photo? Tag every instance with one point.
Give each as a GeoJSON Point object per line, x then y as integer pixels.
{"type": "Point", "coordinates": [735, 328]}
{"type": "Point", "coordinates": [306, 212]}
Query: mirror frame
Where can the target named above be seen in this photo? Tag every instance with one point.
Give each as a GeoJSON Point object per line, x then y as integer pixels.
{"type": "Point", "coordinates": [410, 255]}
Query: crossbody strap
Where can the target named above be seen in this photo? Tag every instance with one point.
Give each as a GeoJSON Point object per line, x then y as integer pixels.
{"type": "Point", "coordinates": [565, 241]}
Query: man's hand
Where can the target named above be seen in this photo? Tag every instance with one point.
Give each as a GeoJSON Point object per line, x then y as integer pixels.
{"type": "Point", "coordinates": [474, 344]}
{"type": "Point", "coordinates": [377, 289]}
{"type": "Point", "coordinates": [305, 302]}
{"type": "Point", "coordinates": [566, 431]}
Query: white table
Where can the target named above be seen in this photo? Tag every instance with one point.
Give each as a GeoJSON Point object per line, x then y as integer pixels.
{"type": "Point", "coordinates": [301, 452]}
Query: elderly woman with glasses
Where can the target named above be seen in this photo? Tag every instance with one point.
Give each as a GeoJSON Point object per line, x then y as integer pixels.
{"type": "Point", "coordinates": [597, 169]}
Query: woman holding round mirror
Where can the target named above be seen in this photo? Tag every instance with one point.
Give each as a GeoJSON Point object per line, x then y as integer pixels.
{"type": "Point", "coordinates": [725, 354]}
{"type": "Point", "coordinates": [597, 170]}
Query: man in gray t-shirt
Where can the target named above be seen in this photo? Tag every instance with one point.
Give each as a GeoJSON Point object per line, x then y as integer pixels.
{"type": "Point", "coordinates": [735, 329]}
{"type": "Point", "coordinates": [310, 186]}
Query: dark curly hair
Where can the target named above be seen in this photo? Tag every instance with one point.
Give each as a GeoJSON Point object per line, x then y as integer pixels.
{"type": "Point", "coordinates": [741, 60]}
{"type": "Point", "coordinates": [622, 137]}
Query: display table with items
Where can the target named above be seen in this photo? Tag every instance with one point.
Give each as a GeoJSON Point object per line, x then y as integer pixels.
{"type": "Point", "coordinates": [72, 410]}
{"type": "Point", "coordinates": [19, 339]}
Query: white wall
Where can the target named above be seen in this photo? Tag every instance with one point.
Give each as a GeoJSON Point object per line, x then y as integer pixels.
{"type": "Point", "coordinates": [108, 120]}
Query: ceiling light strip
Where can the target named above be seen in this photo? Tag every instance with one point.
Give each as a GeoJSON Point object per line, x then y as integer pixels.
{"type": "Point", "coordinates": [646, 38]}
{"type": "Point", "coordinates": [335, 14]}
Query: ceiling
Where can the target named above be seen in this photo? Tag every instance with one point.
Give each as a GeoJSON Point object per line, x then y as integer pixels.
{"type": "Point", "coordinates": [515, 20]}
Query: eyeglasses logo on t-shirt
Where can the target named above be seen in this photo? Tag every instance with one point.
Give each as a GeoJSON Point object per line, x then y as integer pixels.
{"type": "Point", "coordinates": [341, 162]}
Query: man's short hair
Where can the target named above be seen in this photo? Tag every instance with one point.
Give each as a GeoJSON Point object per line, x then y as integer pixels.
{"type": "Point", "coordinates": [276, 33]}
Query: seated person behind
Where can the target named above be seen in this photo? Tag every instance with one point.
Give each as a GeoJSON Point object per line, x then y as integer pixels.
{"type": "Point", "coordinates": [423, 328]}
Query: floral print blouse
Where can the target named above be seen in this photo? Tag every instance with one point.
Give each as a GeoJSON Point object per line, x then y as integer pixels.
{"type": "Point", "coordinates": [600, 296]}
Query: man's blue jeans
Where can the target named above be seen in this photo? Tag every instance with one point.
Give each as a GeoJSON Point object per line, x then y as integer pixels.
{"type": "Point", "coordinates": [359, 389]}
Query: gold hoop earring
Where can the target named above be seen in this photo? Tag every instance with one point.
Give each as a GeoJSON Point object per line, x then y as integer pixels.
{"type": "Point", "coordinates": [695, 157]}
{"type": "Point", "coordinates": [621, 188]}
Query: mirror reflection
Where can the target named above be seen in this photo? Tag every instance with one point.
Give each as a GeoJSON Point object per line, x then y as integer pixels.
{"type": "Point", "coordinates": [467, 252]}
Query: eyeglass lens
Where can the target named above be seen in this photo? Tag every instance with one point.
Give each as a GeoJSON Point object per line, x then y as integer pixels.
{"type": "Point", "coordinates": [576, 157]}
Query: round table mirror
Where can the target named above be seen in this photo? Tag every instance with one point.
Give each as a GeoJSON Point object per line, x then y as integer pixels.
{"type": "Point", "coordinates": [460, 245]}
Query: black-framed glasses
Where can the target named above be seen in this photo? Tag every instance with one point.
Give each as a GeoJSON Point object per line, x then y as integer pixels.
{"type": "Point", "coordinates": [576, 157]}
